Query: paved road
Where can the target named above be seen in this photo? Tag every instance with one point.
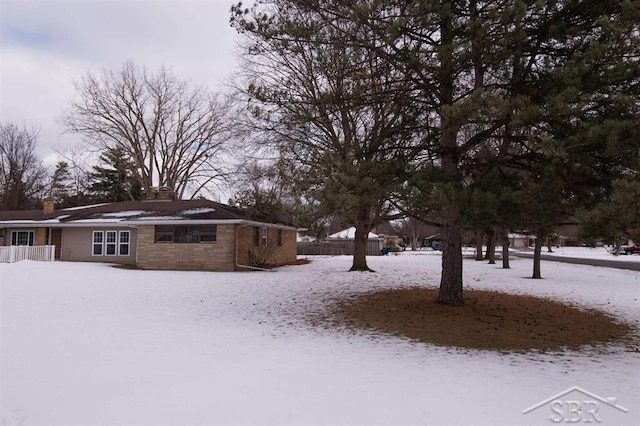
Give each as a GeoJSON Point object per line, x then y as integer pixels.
{"type": "Point", "coordinates": [619, 264]}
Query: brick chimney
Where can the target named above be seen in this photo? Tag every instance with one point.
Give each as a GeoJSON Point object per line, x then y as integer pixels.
{"type": "Point", "coordinates": [158, 194]}
{"type": "Point", "coordinates": [47, 205]}
{"type": "Point", "coordinates": [166, 194]}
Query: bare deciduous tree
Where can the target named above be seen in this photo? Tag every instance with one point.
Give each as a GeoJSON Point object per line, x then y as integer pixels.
{"type": "Point", "coordinates": [21, 172]}
{"type": "Point", "coordinates": [175, 134]}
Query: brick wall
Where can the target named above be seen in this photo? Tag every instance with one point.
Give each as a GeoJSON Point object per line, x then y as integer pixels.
{"type": "Point", "coordinates": [274, 253]}
{"type": "Point", "coordinates": [217, 256]}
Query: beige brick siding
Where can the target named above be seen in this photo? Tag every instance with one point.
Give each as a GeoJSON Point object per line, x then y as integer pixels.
{"type": "Point", "coordinates": [217, 256]}
{"type": "Point", "coordinates": [275, 254]}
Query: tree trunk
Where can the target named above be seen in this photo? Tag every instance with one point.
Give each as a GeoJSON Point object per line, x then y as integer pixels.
{"type": "Point", "coordinates": [491, 247]}
{"type": "Point", "coordinates": [360, 248]}
{"type": "Point", "coordinates": [618, 245]}
{"type": "Point", "coordinates": [451, 281]}
{"type": "Point", "coordinates": [479, 246]}
{"type": "Point", "coordinates": [537, 256]}
{"type": "Point", "coordinates": [505, 249]}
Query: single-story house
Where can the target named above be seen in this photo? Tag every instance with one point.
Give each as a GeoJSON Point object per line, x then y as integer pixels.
{"type": "Point", "coordinates": [159, 232]}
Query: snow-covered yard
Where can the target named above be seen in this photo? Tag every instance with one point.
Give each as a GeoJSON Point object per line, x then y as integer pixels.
{"type": "Point", "coordinates": [85, 344]}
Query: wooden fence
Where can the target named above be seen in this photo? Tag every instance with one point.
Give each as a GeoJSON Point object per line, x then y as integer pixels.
{"type": "Point", "coordinates": [10, 254]}
{"type": "Point", "coordinates": [337, 248]}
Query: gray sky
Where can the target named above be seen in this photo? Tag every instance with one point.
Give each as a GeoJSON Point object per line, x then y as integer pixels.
{"type": "Point", "coordinates": [47, 44]}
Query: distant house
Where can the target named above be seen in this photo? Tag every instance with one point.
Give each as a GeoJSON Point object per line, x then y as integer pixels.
{"type": "Point", "coordinates": [519, 240]}
{"type": "Point", "coordinates": [346, 238]}
{"type": "Point", "coordinates": [157, 233]}
{"type": "Point", "coordinates": [340, 244]}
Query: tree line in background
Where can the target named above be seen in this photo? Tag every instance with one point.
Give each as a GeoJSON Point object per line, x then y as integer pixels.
{"type": "Point", "coordinates": [146, 130]}
{"type": "Point", "coordinates": [482, 116]}
{"type": "Point", "coordinates": [25, 182]}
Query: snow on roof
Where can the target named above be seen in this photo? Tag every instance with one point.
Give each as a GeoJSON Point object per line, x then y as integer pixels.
{"type": "Point", "coordinates": [85, 207]}
{"type": "Point", "coordinates": [519, 236]}
{"type": "Point", "coordinates": [199, 210]}
{"type": "Point", "coordinates": [125, 213]}
{"type": "Point", "coordinates": [100, 220]}
{"type": "Point", "coordinates": [350, 234]}
{"type": "Point", "coordinates": [160, 218]}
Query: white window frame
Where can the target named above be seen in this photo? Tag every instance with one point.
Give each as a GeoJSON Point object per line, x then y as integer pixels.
{"type": "Point", "coordinates": [117, 244]}
{"type": "Point", "coordinates": [264, 236]}
{"type": "Point", "coordinates": [31, 237]}
{"type": "Point", "coordinates": [111, 244]}
{"type": "Point", "coordinates": [95, 244]}
{"type": "Point", "coordinates": [126, 244]}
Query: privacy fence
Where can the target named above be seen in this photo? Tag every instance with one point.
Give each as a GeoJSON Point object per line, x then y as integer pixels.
{"type": "Point", "coordinates": [337, 248]}
{"type": "Point", "coordinates": [10, 254]}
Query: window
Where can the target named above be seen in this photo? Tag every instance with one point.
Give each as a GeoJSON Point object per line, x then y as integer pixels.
{"type": "Point", "coordinates": [98, 239]}
{"type": "Point", "coordinates": [111, 243]}
{"type": "Point", "coordinates": [279, 237]}
{"type": "Point", "coordinates": [208, 233]}
{"type": "Point", "coordinates": [186, 234]}
{"type": "Point", "coordinates": [22, 238]}
{"type": "Point", "coordinates": [164, 234]}
{"type": "Point", "coordinates": [264, 235]}
{"type": "Point", "coordinates": [181, 234]}
{"type": "Point", "coordinates": [125, 237]}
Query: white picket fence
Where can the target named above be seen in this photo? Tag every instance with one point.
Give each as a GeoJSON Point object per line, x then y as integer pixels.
{"type": "Point", "coordinates": [10, 254]}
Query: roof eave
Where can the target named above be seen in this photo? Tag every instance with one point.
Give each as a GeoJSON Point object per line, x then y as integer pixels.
{"type": "Point", "coordinates": [137, 223]}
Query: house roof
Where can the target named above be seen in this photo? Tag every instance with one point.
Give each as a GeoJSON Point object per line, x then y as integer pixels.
{"type": "Point", "coordinates": [131, 213]}
{"type": "Point", "coordinates": [349, 234]}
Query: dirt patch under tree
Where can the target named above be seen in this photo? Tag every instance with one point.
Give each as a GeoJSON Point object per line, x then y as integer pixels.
{"type": "Point", "coordinates": [488, 321]}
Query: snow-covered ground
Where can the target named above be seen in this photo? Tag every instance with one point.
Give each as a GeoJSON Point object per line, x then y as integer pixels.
{"type": "Point", "coordinates": [87, 344]}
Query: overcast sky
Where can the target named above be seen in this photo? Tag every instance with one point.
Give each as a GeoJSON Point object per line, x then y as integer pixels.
{"type": "Point", "coordinates": [47, 44]}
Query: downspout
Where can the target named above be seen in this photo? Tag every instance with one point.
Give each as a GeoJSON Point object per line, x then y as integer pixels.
{"type": "Point", "coordinates": [238, 265]}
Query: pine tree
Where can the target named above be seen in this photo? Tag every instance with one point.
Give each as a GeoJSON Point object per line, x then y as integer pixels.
{"type": "Point", "coordinates": [115, 180]}
{"type": "Point", "coordinates": [537, 81]}
{"type": "Point", "coordinates": [338, 113]}
{"type": "Point", "coordinates": [63, 188]}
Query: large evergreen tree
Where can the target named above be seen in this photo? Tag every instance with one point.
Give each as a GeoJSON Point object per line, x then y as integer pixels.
{"type": "Point", "coordinates": [63, 188]}
{"type": "Point", "coordinates": [540, 78]}
{"type": "Point", "coordinates": [115, 179]}
{"type": "Point", "coordinates": [337, 112]}
{"type": "Point", "coordinates": [540, 81]}
{"type": "Point", "coordinates": [617, 217]}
